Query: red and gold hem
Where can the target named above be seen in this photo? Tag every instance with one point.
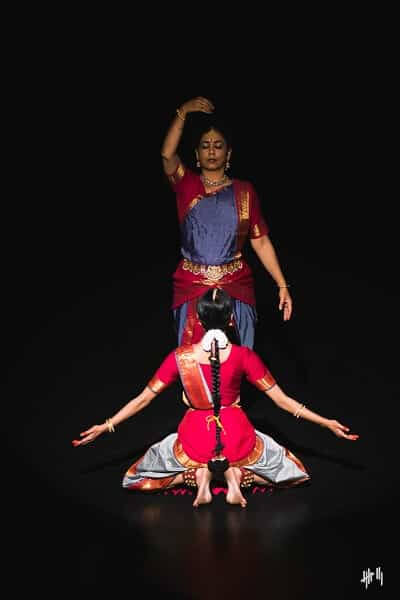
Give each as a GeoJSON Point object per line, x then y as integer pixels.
{"type": "Point", "coordinates": [188, 462]}
{"type": "Point", "coordinates": [148, 484]}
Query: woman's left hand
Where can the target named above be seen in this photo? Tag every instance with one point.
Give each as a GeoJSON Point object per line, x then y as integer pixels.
{"type": "Point", "coordinates": [340, 430]}
{"type": "Point", "coordinates": [89, 435]}
{"type": "Point", "coordinates": [285, 303]}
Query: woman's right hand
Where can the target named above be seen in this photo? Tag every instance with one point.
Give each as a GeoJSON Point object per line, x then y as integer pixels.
{"type": "Point", "coordinates": [90, 435]}
{"type": "Point", "coordinates": [198, 104]}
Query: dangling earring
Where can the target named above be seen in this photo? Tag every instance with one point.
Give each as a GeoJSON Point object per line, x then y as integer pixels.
{"type": "Point", "coordinates": [227, 164]}
{"type": "Point", "coordinates": [198, 163]}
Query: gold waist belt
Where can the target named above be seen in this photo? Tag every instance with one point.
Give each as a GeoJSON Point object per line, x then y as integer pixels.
{"type": "Point", "coordinates": [213, 272]}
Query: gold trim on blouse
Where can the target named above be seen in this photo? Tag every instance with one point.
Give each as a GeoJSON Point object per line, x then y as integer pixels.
{"type": "Point", "coordinates": [178, 175]}
{"type": "Point", "coordinates": [156, 385]}
{"type": "Point", "coordinates": [265, 383]}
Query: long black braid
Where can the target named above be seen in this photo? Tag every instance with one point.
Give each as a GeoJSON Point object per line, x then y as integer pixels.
{"type": "Point", "coordinates": [216, 378]}
{"type": "Point", "coordinates": [214, 310]}
{"type": "Point", "coordinates": [219, 464]}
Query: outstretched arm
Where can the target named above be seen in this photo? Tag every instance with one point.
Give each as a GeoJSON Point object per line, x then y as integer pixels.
{"type": "Point", "coordinates": [174, 133]}
{"type": "Point", "coordinates": [265, 251]}
{"type": "Point", "coordinates": [297, 409]}
{"type": "Point", "coordinates": [131, 408]}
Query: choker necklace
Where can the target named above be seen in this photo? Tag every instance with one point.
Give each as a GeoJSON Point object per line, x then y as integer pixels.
{"type": "Point", "coordinates": [212, 183]}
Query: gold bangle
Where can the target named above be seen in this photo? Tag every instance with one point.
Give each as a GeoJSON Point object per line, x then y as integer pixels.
{"type": "Point", "coordinates": [283, 286]}
{"type": "Point", "coordinates": [110, 426]}
{"type": "Point", "coordinates": [298, 411]}
{"type": "Point", "coordinates": [179, 114]}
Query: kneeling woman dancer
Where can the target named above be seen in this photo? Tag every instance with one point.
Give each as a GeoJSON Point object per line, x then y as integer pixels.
{"type": "Point", "coordinates": [215, 439]}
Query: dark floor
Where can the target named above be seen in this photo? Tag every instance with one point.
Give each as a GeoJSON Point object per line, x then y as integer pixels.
{"type": "Point", "coordinates": [87, 324]}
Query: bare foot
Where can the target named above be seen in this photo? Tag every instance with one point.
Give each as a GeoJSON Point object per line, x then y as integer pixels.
{"type": "Point", "coordinates": [203, 478]}
{"type": "Point", "coordinates": [234, 495]}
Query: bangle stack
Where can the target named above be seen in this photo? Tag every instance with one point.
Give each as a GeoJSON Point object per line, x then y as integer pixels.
{"type": "Point", "coordinates": [298, 411]}
{"type": "Point", "coordinates": [110, 426]}
{"type": "Point", "coordinates": [179, 115]}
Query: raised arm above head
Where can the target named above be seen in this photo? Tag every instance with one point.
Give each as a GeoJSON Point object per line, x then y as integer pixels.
{"type": "Point", "coordinates": [174, 133]}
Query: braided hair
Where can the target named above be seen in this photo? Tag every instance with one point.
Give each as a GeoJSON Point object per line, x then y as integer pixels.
{"type": "Point", "coordinates": [216, 379]}
{"type": "Point", "coordinates": [214, 310]}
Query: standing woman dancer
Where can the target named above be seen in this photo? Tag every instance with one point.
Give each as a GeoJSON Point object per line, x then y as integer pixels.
{"type": "Point", "coordinates": [217, 214]}
{"type": "Point", "coordinates": [215, 437]}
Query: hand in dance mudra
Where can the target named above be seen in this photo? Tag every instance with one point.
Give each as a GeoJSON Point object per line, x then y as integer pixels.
{"type": "Point", "coordinates": [230, 450]}
{"type": "Point", "coordinates": [198, 104]}
{"type": "Point", "coordinates": [90, 435]}
{"type": "Point", "coordinates": [340, 430]}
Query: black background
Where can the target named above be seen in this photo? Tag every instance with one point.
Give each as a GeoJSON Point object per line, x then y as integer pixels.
{"type": "Point", "coordinates": [91, 240]}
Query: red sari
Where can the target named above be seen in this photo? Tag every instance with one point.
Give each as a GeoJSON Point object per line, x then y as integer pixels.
{"type": "Point", "coordinates": [196, 431]}
{"type": "Point", "coordinates": [194, 443]}
{"type": "Point", "coordinates": [190, 281]}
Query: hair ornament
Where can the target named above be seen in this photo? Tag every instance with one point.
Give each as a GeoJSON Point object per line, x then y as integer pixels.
{"type": "Point", "coordinates": [212, 334]}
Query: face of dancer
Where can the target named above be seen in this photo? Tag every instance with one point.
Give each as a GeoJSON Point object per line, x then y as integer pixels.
{"type": "Point", "coordinates": [212, 151]}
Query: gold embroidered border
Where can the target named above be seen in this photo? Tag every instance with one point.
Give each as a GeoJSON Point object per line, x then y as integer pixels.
{"type": "Point", "coordinates": [265, 383]}
{"type": "Point", "coordinates": [188, 462]}
{"type": "Point", "coordinates": [156, 385]}
{"type": "Point", "coordinates": [211, 283]}
{"type": "Point", "coordinates": [296, 461]}
{"type": "Point", "coordinates": [243, 209]}
{"type": "Point", "coordinates": [183, 458]}
{"type": "Point", "coordinates": [148, 484]}
{"type": "Point", "coordinates": [212, 272]}
{"type": "Point", "coordinates": [193, 203]}
{"type": "Point", "coordinates": [177, 176]}
{"type": "Point", "coordinates": [190, 323]}
{"type": "Point", "coordinates": [190, 377]}
{"type": "Point", "coordinates": [293, 482]}
{"type": "Point", "coordinates": [186, 401]}
{"type": "Point", "coordinates": [132, 469]}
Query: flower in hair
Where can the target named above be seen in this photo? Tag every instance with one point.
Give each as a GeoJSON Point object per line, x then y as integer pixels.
{"type": "Point", "coordinates": [212, 334]}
